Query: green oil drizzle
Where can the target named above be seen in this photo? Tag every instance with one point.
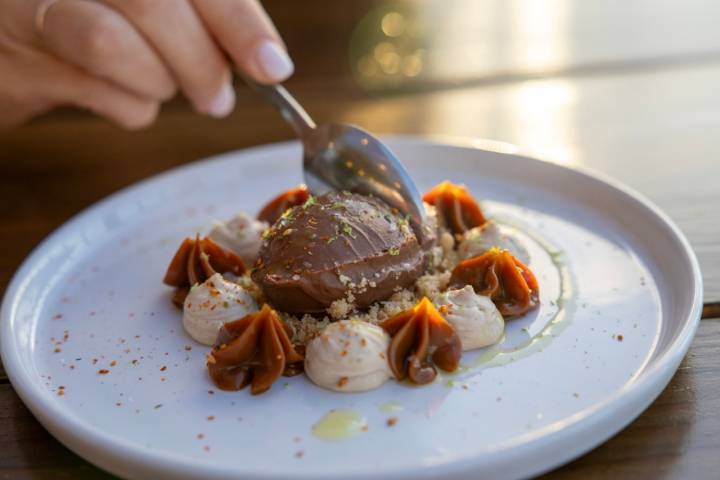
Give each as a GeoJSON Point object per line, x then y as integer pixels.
{"type": "Point", "coordinates": [391, 407]}
{"type": "Point", "coordinates": [339, 425]}
{"type": "Point", "coordinates": [496, 356]}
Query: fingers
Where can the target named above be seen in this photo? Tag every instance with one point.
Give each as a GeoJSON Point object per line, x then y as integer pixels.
{"type": "Point", "coordinates": [176, 32]}
{"type": "Point", "coordinates": [245, 31]}
{"type": "Point", "coordinates": [124, 56]}
{"type": "Point", "coordinates": [125, 109]}
{"type": "Point", "coordinates": [66, 84]}
{"type": "Point", "coordinates": [99, 40]}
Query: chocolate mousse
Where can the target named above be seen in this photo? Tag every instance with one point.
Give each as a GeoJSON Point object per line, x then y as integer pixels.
{"type": "Point", "coordinates": [337, 246]}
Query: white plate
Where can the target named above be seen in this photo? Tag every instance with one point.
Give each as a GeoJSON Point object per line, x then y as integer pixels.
{"type": "Point", "coordinates": [632, 303]}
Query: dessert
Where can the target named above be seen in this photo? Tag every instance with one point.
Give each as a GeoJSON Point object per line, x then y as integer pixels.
{"type": "Point", "coordinates": [457, 209]}
{"type": "Point", "coordinates": [255, 350]}
{"type": "Point", "coordinates": [479, 240]}
{"type": "Point", "coordinates": [341, 288]}
{"type": "Point", "coordinates": [241, 235]}
{"type": "Point", "coordinates": [211, 304]}
{"type": "Point", "coordinates": [349, 356]}
{"type": "Point", "coordinates": [422, 339]}
{"type": "Point", "coordinates": [502, 277]}
{"type": "Point", "coordinates": [474, 317]}
{"type": "Point", "coordinates": [336, 246]}
{"type": "Point", "coordinates": [279, 205]}
{"type": "Point", "coordinates": [197, 260]}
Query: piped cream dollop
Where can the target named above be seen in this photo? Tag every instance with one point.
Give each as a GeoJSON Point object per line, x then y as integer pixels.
{"type": "Point", "coordinates": [349, 356]}
{"type": "Point", "coordinates": [211, 304]}
{"type": "Point", "coordinates": [478, 240]}
{"type": "Point", "coordinates": [241, 235]}
{"type": "Point", "coordinates": [475, 318]}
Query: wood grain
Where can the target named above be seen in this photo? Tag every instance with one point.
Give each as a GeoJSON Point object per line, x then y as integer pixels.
{"type": "Point", "coordinates": [626, 88]}
{"type": "Point", "coordinates": [711, 310]}
{"type": "Point", "coordinates": [675, 438]}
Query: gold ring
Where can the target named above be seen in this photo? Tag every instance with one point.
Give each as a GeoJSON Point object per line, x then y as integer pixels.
{"type": "Point", "coordinates": [40, 14]}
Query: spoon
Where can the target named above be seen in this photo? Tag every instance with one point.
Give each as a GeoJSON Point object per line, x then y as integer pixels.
{"type": "Point", "coordinates": [340, 157]}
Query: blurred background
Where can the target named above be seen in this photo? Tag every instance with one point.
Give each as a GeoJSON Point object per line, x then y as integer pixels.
{"type": "Point", "coordinates": [626, 87]}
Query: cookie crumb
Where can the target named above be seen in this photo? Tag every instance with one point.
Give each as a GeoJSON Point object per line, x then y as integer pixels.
{"type": "Point", "coordinates": [392, 421]}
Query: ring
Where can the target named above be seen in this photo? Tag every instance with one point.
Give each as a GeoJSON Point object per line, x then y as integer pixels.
{"type": "Point", "coordinates": [40, 14]}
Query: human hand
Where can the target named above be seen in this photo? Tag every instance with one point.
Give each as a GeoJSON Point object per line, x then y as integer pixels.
{"type": "Point", "coordinates": [123, 58]}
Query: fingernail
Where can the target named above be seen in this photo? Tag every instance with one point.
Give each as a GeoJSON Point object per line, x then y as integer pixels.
{"type": "Point", "coordinates": [274, 61]}
{"type": "Point", "coordinates": [223, 103]}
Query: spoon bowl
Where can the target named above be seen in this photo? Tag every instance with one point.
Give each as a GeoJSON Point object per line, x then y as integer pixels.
{"type": "Point", "coordinates": [340, 157]}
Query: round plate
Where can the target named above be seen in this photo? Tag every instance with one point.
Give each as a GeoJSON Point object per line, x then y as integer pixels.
{"type": "Point", "coordinates": [96, 350]}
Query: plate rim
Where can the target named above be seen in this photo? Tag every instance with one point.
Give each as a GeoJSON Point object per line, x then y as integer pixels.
{"type": "Point", "coordinates": [125, 457]}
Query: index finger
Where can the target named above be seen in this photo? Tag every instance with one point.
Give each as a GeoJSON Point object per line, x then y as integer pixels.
{"type": "Point", "coordinates": [247, 34]}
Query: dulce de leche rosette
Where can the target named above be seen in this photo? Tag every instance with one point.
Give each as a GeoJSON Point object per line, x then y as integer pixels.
{"type": "Point", "coordinates": [197, 260]}
{"type": "Point", "coordinates": [254, 350]}
{"type": "Point", "coordinates": [456, 208]}
{"type": "Point", "coordinates": [497, 274]}
{"type": "Point", "coordinates": [421, 340]}
{"type": "Point", "coordinates": [274, 209]}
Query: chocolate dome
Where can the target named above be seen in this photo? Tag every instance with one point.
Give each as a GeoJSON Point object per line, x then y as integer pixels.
{"type": "Point", "coordinates": [339, 245]}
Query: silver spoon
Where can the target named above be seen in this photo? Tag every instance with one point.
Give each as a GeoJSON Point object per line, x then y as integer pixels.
{"type": "Point", "coordinates": [339, 157]}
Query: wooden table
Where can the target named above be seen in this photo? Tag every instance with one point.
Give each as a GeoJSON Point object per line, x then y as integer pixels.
{"type": "Point", "coordinates": [627, 88]}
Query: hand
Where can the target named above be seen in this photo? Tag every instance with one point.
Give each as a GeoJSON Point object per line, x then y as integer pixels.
{"type": "Point", "coordinates": [123, 58]}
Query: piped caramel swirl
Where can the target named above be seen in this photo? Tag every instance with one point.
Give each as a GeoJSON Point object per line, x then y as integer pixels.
{"type": "Point", "coordinates": [421, 340]}
{"type": "Point", "coordinates": [457, 209]}
{"type": "Point", "coordinates": [195, 261]}
{"type": "Point", "coordinates": [254, 350]}
{"type": "Point", "coordinates": [502, 277]}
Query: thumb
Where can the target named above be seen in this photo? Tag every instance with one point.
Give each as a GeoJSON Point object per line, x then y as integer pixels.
{"type": "Point", "coordinates": [247, 34]}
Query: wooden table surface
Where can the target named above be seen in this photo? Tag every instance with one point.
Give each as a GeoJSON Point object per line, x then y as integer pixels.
{"type": "Point", "coordinates": [626, 88]}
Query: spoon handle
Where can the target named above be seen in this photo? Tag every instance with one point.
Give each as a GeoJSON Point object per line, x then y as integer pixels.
{"type": "Point", "coordinates": [289, 108]}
